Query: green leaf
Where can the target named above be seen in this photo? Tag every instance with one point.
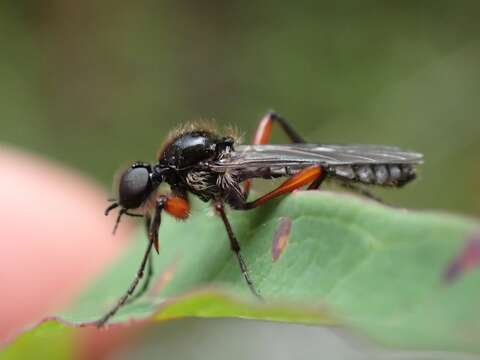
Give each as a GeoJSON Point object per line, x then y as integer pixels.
{"type": "Point", "coordinates": [49, 340]}
{"type": "Point", "coordinates": [348, 261]}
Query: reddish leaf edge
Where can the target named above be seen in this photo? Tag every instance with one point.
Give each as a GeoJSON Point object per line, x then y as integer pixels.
{"type": "Point", "coordinates": [313, 315]}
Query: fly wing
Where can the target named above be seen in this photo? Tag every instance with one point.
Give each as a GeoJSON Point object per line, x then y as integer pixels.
{"type": "Point", "coordinates": [300, 155]}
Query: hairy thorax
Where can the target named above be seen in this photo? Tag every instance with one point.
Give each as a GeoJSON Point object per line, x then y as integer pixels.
{"type": "Point", "coordinates": [188, 153]}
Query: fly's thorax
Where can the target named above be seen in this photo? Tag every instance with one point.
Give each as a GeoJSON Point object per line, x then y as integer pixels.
{"type": "Point", "coordinates": [209, 185]}
{"type": "Point", "coordinates": [378, 174]}
{"type": "Point", "coordinates": [202, 183]}
{"type": "Point", "coordinates": [190, 149]}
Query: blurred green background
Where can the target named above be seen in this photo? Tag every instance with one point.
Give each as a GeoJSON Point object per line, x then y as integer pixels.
{"type": "Point", "coordinates": [96, 83]}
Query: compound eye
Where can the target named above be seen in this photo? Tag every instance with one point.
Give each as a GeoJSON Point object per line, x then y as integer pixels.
{"type": "Point", "coordinates": [134, 187]}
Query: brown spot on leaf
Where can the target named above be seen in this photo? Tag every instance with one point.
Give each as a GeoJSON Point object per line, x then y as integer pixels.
{"type": "Point", "coordinates": [280, 238]}
{"type": "Point", "coordinates": [467, 259]}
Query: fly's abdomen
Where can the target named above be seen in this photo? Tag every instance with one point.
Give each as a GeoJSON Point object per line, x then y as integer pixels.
{"type": "Point", "coordinates": [381, 174]}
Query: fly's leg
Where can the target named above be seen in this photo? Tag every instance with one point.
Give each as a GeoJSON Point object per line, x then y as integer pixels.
{"type": "Point", "coordinates": [313, 175]}
{"type": "Point", "coordinates": [315, 184]}
{"type": "Point", "coordinates": [146, 282]}
{"type": "Point", "coordinates": [361, 191]}
{"type": "Point", "coordinates": [150, 269]}
{"type": "Point", "coordinates": [264, 132]}
{"type": "Point", "coordinates": [120, 214]}
{"type": "Point", "coordinates": [175, 206]}
{"type": "Point", "coordinates": [100, 323]}
{"type": "Point", "coordinates": [264, 129]}
{"type": "Point", "coordinates": [149, 275]}
{"type": "Point", "coordinates": [235, 247]}
{"type": "Point", "coordinates": [154, 224]}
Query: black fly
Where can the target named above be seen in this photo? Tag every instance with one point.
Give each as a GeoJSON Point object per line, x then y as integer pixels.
{"type": "Point", "coordinates": [196, 160]}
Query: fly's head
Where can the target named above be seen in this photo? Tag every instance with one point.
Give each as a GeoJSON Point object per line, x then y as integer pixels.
{"type": "Point", "coordinates": [135, 185]}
